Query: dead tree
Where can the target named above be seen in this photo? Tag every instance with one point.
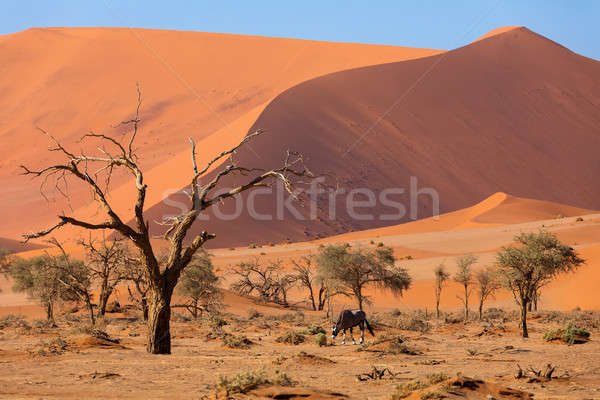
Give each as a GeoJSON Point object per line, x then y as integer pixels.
{"type": "Point", "coordinates": [305, 273]}
{"type": "Point", "coordinates": [265, 281]}
{"type": "Point", "coordinates": [107, 262]}
{"type": "Point", "coordinates": [96, 171]}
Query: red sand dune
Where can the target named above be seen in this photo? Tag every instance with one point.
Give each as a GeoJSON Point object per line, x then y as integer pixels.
{"type": "Point", "coordinates": [498, 209]}
{"type": "Point", "coordinates": [16, 246]}
{"type": "Point", "coordinates": [72, 80]}
{"type": "Point", "coordinates": [515, 112]}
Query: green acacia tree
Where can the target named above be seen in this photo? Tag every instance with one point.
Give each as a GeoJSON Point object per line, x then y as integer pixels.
{"type": "Point", "coordinates": [350, 271]}
{"type": "Point", "coordinates": [38, 278]}
{"type": "Point", "coordinates": [532, 262]}
{"type": "Point", "coordinates": [200, 286]}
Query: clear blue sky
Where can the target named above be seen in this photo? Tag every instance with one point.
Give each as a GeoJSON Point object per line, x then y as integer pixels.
{"type": "Point", "coordinates": [432, 24]}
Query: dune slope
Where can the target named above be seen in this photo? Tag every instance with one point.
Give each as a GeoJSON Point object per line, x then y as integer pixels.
{"type": "Point", "coordinates": [514, 112]}
{"type": "Point", "coordinates": [69, 81]}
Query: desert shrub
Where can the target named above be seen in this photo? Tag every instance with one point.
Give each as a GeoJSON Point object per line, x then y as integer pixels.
{"type": "Point", "coordinates": [579, 219]}
{"type": "Point", "coordinates": [493, 313]}
{"type": "Point", "coordinates": [437, 378]}
{"type": "Point", "coordinates": [432, 396]}
{"type": "Point", "coordinates": [404, 390]}
{"type": "Point", "coordinates": [13, 321]}
{"type": "Point", "coordinates": [242, 382]}
{"type": "Point", "coordinates": [296, 317]}
{"type": "Point", "coordinates": [54, 346]}
{"type": "Point", "coordinates": [253, 313]}
{"type": "Point", "coordinates": [569, 334]}
{"type": "Point", "coordinates": [246, 381]}
{"type": "Point", "coordinates": [291, 337]}
{"type": "Point", "coordinates": [214, 320]}
{"type": "Point", "coordinates": [42, 324]}
{"type": "Point", "coordinates": [395, 312]}
{"type": "Point", "coordinates": [177, 317]}
{"type": "Point", "coordinates": [412, 323]}
{"type": "Point", "coordinates": [314, 330]}
{"type": "Point", "coordinates": [282, 379]}
{"type": "Point", "coordinates": [236, 342]}
{"type": "Point", "coordinates": [321, 339]}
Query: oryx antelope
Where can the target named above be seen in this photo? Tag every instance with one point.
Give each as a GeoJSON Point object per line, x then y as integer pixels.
{"type": "Point", "coordinates": [349, 319]}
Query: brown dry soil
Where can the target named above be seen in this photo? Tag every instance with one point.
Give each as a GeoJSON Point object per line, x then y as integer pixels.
{"type": "Point", "coordinates": [35, 364]}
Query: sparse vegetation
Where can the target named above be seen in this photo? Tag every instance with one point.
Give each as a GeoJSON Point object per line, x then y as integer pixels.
{"type": "Point", "coordinates": [199, 285]}
{"type": "Point", "coordinates": [291, 337]}
{"type": "Point", "coordinates": [569, 334]}
{"type": "Point", "coordinates": [235, 341]}
{"type": "Point", "coordinates": [305, 274]}
{"type": "Point", "coordinates": [441, 276]}
{"type": "Point", "coordinates": [464, 277]}
{"type": "Point", "coordinates": [246, 381]}
{"type": "Point", "coordinates": [321, 339]}
{"type": "Point", "coordinates": [526, 268]}
{"type": "Point", "coordinates": [352, 270]}
{"type": "Point", "coordinates": [487, 284]}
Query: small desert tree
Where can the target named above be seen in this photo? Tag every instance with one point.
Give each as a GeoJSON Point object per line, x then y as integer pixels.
{"type": "Point", "coordinates": [199, 284]}
{"type": "Point", "coordinates": [265, 281]}
{"type": "Point", "coordinates": [306, 275]}
{"type": "Point", "coordinates": [352, 270]}
{"type": "Point", "coordinates": [119, 155]}
{"type": "Point", "coordinates": [108, 263]}
{"type": "Point", "coordinates": [75, 276]}
{"type": "Point", "coordinates": [441, 276]}
{"type": "Point", "coordinates": [464, 277]}
{"type": "Point", "coordinates": [5, 260]}
{"type": "Point", "coordinates": [487, 284]}
{"type": "Point", "coordinates": [534, 260]}
{"type": "Point", "coordinates": [37, 277]}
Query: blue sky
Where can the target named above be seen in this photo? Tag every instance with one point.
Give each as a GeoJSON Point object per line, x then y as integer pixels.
{"type": "Point", "coordinates": [432, 24]}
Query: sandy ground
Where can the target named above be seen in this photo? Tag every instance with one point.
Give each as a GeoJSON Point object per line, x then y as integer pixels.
{"type": "Point", "coordinates": [193, 368]}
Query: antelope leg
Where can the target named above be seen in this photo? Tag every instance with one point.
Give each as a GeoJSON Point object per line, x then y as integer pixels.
{"type": "Point", "coordinates": [352, 337]}
{"type": "Point", "coordinates": [344, 338]}
{"type": "Point", "coordinates": [362, 332]}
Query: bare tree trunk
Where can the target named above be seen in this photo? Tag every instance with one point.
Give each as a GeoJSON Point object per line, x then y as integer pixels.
{"type": "Point", "coordinates": [144, 304]}
{"type": "Point", "coordinates": [50, 313]}
{"type": "Point", "coordinates": [466, 303]}
{"type": "Point", "coordinates": [322, 298]}
{"type": "Point", "coordinates": [312, 297]}
{"type": "Point", "coordinates": [105, 293]}
{"type": "Point", "coordinates": [437, 304]}
{"type": "Point", "coordinates": [159, 319]}
{"type": "Point", "coordinates": [524, 305]}
{"type": "Point", "coordinates": [481, 308]}
{"type": "Point", "coordinates": [195, 309]}
{"type": "Point", "coordinates": [88, 303]}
